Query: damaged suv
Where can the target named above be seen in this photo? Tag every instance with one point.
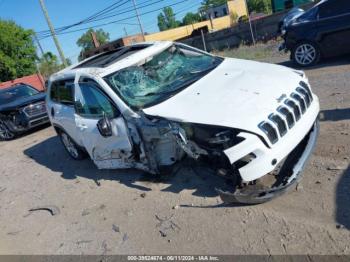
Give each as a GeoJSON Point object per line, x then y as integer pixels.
{"type": "Point", "coordinates": [149, 105]}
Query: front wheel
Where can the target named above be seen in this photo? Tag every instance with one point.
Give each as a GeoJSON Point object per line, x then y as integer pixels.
{"type": "Point", "coordinates": [5, 132]}
{"type": "Point", "coordinates": [71, 147]}
{"type": "Point", "coordinates": [305, 54]}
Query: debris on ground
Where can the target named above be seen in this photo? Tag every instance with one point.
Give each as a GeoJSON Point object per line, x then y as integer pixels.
{"type": "Point", "coordinates": [176, 207]}
{"type": "Point", "coordinates": [83, 242]}
{"type": "Point", "coordinates": [54, 210]}
{"type": "Point", "coordinates": [143, 195]}
{"type": "Point", "coordinates": [125, 237]}
{"type": "Point", "coordinates": [338, 166]}
{"type": "Point", "coordinates": [166, 225]}
{"type": "Point", "coordinates": [2, 189]}
{"type": "Point", "coordinates": [14, 233]}
{"type": "Point", "coordinates": [115, 228]}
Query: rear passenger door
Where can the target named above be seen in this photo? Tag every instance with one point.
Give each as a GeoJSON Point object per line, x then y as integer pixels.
{"type": "Point", "coordinates": [61, 106]}
{"type": "Point", "coordinates": [334, 27]}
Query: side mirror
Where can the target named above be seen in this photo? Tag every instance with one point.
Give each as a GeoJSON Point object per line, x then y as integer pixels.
{"type": "Point", "coordinates": [104, 126]}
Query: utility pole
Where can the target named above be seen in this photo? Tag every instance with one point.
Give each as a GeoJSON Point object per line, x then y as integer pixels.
{"type": "Point", "coordinates": [138, 18]}
{"type": "Point", "coordinates": [126, 32]}
{"type": "Point", "coordinates": [59, 49]}
{"type": "Point", "coordinates": [250, 22]}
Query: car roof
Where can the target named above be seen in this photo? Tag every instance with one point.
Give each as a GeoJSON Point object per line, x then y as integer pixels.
{"type": "Point", "coordinates": [111, 61]}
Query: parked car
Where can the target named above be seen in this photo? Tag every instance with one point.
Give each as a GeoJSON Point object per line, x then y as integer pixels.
{"type": "Point", "coordinates": [22, 107]}
{"type": "Point", "coordinates": [147, 106]}
{"type": "Point", "coordinates": [322, 31]}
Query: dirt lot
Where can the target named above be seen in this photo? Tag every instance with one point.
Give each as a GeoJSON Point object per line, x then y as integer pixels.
{"type": "Point", "coordinates": [125, 212]}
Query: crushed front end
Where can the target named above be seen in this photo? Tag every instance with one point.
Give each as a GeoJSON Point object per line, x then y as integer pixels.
{"type": "Point", "coordinates": [259, 166]}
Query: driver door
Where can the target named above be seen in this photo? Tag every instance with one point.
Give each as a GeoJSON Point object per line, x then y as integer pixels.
{"type": "Point", "coordinates": [92, 105]}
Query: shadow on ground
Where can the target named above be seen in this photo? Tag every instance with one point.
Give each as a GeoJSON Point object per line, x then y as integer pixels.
{"type": "Point", "coordinates": [185, 176]}
{"type": "Point", "coordinates": [327, 62]}
{"type": "Point", "coordinates": [343, 200]}
{"type": "Point", "coordinates": [335, 114]}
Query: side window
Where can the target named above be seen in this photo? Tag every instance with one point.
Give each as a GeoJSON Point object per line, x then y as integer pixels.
{"type": "Point", "coordinates": [63, 92]}
{"type": "Point", "coordinates": [93, 103]}
{"type": "Point", "coordinates": [66, 93]}
{"type": "Point", "coordinates": [334, 8]}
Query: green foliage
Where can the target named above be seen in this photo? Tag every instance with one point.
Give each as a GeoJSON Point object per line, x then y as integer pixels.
{"type": "Point", "coordinates": [206, 4]}
{"type": "Point", "coordinates": [260, 6]}
{"type": "Point", "coordinates": [191, 18]}
{"type": "Point", "coordinates": [17, 51]}
{"type": "Point", "coordinates": [49, 64]}
{"type": "Point", "coordinates": [86, 43]}
{"type": "Point", "coordinates": [167, 20]}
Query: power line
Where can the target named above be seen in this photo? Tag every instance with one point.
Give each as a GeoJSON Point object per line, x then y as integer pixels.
{"type": "Point", "coordinates": [90, 18]}
{"type": "Point", "coordinates": [102, 16]}
{"type": "Point", "coordinates": [116, 21]}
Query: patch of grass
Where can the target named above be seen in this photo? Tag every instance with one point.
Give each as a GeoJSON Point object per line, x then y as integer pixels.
{"type": "Point", "coordinates": [258, 52]}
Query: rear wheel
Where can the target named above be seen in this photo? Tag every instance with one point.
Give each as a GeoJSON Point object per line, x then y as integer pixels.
{"type": "Point", "coordinates": [305, 54]}
{"type": "Point", "coordinates": [5, 132]}
{"type": "Point", "coordinates": [71, 147]}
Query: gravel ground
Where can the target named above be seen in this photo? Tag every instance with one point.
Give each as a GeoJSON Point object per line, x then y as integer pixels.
{"type": "Point", "coordinates": [125, 212]}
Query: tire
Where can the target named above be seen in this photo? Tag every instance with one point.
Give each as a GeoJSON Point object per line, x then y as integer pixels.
{"type": "Point", "coordinates": [5, 133]}
{"type": "Point", "coordinates": [71, 147]}
{"type": "Point", "coordinates": [305, 53]}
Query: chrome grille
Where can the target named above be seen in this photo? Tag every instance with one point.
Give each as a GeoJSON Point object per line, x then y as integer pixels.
{"type": "Point", "coordinates": [281, 125]}
{"type": "Point", "coordinates": [295, 108]}
{"type": "Point", "coordinates": [305, 95]}
{"type": "Point", "coordinates": [270, 131]}
{"type": "Point", "coordinates": [301, 102]}
{"type": "Point", "coordinates": [288, 114]}
{"type": "Point", "coordinates": [35, 109]}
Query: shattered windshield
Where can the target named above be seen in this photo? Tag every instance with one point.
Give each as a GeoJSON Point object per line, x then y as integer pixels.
{"type": "Point", "coordinates": [161, 76]}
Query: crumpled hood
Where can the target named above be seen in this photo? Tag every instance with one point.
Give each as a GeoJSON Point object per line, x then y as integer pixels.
{"type": "Point", "coordinates": [238, 94]}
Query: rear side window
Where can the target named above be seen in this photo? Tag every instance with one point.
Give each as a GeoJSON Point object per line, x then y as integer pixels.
{"type": "Point", "coordinates": [334, 8]}
{"type": "Point", "coordinates": [63, 92]}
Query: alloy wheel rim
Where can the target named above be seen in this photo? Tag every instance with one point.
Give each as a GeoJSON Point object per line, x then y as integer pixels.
{"type": "Point", "coordinates": [4, 132]}
{"type": "Point", "coordinates": [305, 54]}
{"type": "Point", "coordinates": [69, 145]}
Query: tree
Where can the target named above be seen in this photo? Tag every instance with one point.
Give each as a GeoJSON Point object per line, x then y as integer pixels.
{"type": "Point", "coordinates": [86, 43]}
{"type": "Point", "coordinates": [206, 4]}
{"type": "Point", "coordinates": [17, 51]}
{"type": "Point", "coordinates": [166, 19]}
{"type": "Point", "coordinates": [49, 64]}
{"type": "Point", "coordinates": [259, 6]}
{"type": "Point", "coordinates": [191, 18]}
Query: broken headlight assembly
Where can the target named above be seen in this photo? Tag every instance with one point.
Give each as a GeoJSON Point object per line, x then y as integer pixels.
{"type": "Point", "coordinates": [211, 137]}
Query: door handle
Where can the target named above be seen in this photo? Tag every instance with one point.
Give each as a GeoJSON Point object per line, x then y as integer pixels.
{"type": "Point", "coordinates": [82, 127]}
{"type": "Point", "coordinates": [52, 112]}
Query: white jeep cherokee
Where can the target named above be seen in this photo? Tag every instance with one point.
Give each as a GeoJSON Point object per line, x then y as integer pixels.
{"type": "Point", "coordinates": [148, 105]}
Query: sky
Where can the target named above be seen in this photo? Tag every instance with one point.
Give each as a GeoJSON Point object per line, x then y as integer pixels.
{"type": "Point", "coordinates": [28, 14]}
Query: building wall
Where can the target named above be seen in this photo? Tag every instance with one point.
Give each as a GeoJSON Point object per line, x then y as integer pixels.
{"type": "Point", "coordinates": [35, 81]}
{"type": "Point", "coordinates": [237, 7]}
{"type": "Point", "coordinates": [234, 6]}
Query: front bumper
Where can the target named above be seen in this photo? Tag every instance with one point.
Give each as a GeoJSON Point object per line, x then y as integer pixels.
{"type": "Point", "coordinates": [263, 195]}
{"type": "Point", "coordinates": [27, 123]}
